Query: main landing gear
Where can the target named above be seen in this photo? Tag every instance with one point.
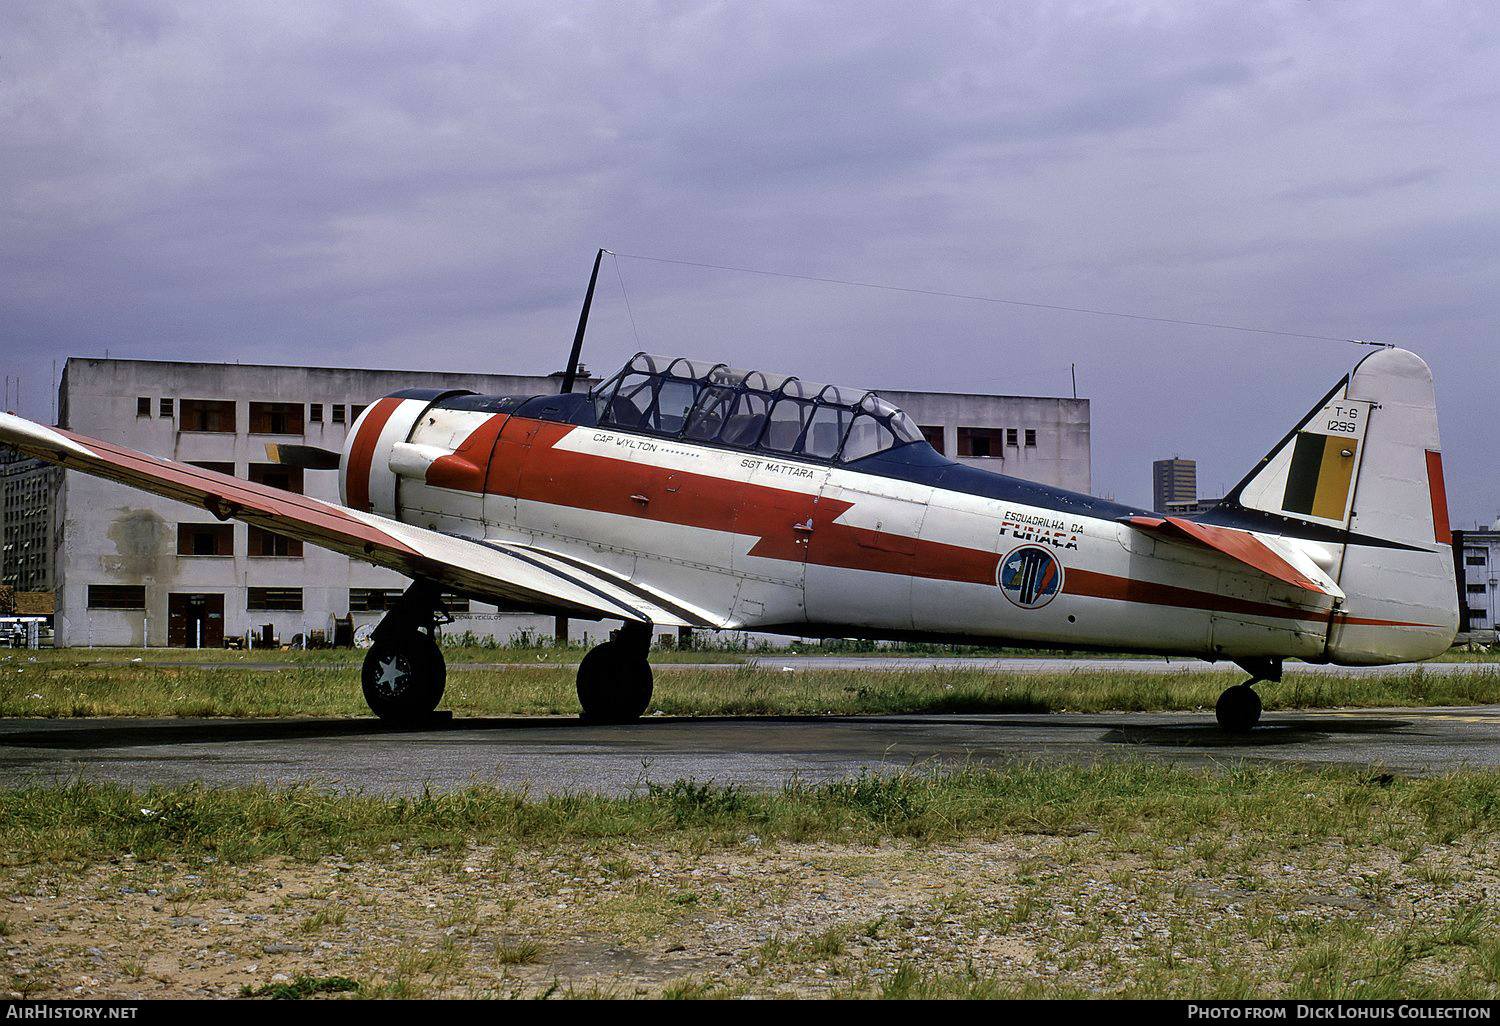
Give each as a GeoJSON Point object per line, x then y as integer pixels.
{"type": "Point", "coordinates": [614, 679]}
{"type": "Point", "coordinates": [404, 672]}
{"type": "Point", "coordinates": [1238, 708]}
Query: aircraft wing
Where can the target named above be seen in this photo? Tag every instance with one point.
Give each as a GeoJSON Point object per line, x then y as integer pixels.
{"type": "Point", "coordinates": [1258, 552]}
{"type": "Point", "coordinates": [516, 576]}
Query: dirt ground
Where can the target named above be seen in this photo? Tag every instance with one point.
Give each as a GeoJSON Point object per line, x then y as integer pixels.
{"type": "Point", "coordinates": [1027, 914]}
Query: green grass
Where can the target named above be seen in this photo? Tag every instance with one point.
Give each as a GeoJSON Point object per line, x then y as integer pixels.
{"type": "Point", "coordinates": [314, 684]}
{"type": "Point", "coordinates": [301, 987]}
{"type": "Point", "coordinates": [519, 952]}
{"type": "Point", "coordinates": [348, 657]}
{"type": "Point", "coordinates": [706, 649]}
{"type": "Point", "coordinates": [90, 820]}
{"type": "Point", "coordinates": [1125, 880]}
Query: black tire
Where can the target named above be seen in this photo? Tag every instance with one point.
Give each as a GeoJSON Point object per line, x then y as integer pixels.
{"type": "Point", "coordinates": [404, 677]}
{"type": "Point", "coordinates": [1238, 709]}
{"type": "Point", "coordinates": [612, 686]}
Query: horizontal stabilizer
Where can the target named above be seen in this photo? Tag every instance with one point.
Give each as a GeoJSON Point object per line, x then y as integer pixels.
{"type": "Point", "coordinates": [1243, 547]}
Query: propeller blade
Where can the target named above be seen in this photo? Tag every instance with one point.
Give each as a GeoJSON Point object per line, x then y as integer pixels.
{"type": "Point", "coordinates": [308, 457]}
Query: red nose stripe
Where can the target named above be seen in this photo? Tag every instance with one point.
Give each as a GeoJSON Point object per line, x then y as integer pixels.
{"type": "Point", "coordinates": [362, 454]}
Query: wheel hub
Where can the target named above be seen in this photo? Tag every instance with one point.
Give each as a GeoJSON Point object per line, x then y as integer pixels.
{"type": "Point", "coordinates": [395, 675]}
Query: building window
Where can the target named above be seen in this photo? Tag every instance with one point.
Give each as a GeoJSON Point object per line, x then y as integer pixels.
{"type": "Point", "coordinates": [1031, 438]}
{"type": "Point", "coordinates": [143, 406]}
{"type": "Point", "coordinates": [274, 475]}
{"type": "Point", "coordinates": [274, 598]}
{"type": "Point", "coordinates": [1477, 616]}
{"type": "Point", "coordinates": [213, 415]}
{"type": "Point", "coordinates": [216, 466]}
{"type": "Point", "coordinates": [1010, 436]}
{"type": "Point", "coordinates": [276, 418]}
{"type": "Point", "coordinates": [166, 407]}
{"type": "Point", "coordinates": [1474, 557]}
{"type": "Point", "coordinates": [117, 596]}
{"type": "Point", "coordinates": [269, 543]}
{"type": "Point", "coordinates": [315, 413]}
{"type": "Point", "coordinates": [205, 539]}
{"type": "Point", "coordinates": [372, 600]}
{"type": "Point", "coordinates": [1477, 589]}
{"type": "Point", "coordinates": [980, 442]}
{"type": "Point", "coordinates": [355, 409]}
{"type": "Point", "coordinates": [338, 413]}
{"type": "Point", "coordinates": [934, 436]}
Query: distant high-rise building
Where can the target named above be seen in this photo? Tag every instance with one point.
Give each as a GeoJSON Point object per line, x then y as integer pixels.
{"type": "Point", "coordinates": [27, 531]}
{"type": "Point", "coordinates": [1173, 481]}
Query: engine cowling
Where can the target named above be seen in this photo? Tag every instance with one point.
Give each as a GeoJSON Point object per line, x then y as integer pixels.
{"type": "Point", "coordinates": [379, 451]}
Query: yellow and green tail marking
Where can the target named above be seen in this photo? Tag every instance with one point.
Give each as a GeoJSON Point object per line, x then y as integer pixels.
{"type": "Point", "coordinates": [1318, 481]}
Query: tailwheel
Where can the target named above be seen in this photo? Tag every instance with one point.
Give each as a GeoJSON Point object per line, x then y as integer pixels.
{"type": "Point", "coordinates": [614, 679]}
{"type": "Point", "coordinates": [404, 672]}
{"type": "Point", "coordinates": [1238, 708]}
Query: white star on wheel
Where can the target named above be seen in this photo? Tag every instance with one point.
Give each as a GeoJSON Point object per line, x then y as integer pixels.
{"type": "Point", "coordinates": [390, 673]}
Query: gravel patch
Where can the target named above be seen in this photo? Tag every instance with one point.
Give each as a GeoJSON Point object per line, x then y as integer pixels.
{"type": "Point", "coordinates": [1024, 914]}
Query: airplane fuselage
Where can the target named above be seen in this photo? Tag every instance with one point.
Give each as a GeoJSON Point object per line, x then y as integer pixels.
{"type": "Point", "coordinates": [905, 545]}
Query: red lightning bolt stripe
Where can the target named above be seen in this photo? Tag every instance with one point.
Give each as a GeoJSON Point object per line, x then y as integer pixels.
{"type": "Point", "coordinates": [527, 465]}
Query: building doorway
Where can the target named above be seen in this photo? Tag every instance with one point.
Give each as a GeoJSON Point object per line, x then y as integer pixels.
{"type": "Point", "coordinates": [195, 621]}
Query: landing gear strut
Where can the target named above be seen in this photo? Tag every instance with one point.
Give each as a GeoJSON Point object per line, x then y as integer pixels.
{"type": "Point", "coordinates": [1238, 708]}
{"type": "Point", "coordinates": [614, 679]}
{"type": "Point", "coordinates": [404, 672]}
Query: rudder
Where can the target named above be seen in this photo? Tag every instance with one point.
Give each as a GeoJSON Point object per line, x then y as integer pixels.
{"type": "Point", "coordinates": [1402, 600]}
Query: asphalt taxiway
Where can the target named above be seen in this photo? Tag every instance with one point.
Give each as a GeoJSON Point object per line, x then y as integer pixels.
{"type": "Point", "coordinates": [558, 754]}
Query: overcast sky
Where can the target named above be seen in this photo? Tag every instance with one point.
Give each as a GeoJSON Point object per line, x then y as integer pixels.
{"type": "Point", "coordinates": [425, 184]}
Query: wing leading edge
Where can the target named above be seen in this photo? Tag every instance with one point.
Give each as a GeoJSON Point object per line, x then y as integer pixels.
{"type": "Point", "coordinates": [516, 576]}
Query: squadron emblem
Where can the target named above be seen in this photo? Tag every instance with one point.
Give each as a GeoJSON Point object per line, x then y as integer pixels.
{"type": "Point", "coordinates": [1030, 576]}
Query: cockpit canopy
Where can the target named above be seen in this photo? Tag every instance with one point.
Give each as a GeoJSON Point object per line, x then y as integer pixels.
{"type": "Point", "coordinates": [715, 403]}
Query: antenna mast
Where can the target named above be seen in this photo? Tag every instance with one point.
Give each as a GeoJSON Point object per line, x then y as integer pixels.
{"type": "Point", "coordinates": [583, 322]}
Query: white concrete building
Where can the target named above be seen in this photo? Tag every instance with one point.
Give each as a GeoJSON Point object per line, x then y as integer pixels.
{"type": "Point", "coordinates": [1033, 437]}
{"type": "Point", "coordinates": [135, 569]}
{"type": "Point", "coordinates": [1477, 553]}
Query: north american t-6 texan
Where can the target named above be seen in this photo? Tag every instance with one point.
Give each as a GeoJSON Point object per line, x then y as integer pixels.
{"type": "Point", "coordinates": [683, 493]}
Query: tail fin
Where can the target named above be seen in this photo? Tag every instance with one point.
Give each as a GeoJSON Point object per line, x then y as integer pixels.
{"type": "Point", "coordinates": [1360, 482]}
